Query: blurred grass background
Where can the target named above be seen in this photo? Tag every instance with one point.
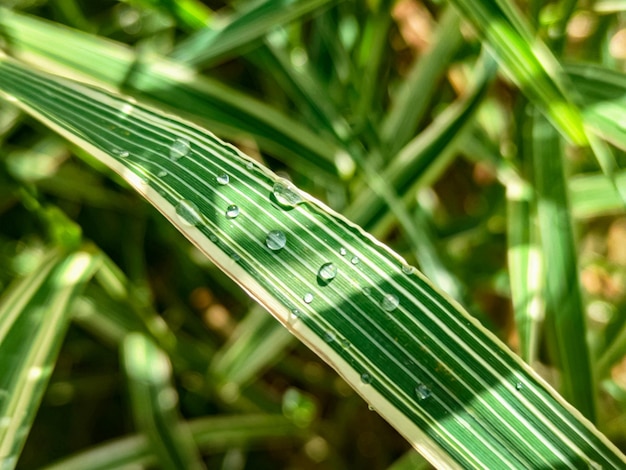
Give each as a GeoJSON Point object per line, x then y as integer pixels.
{"type": "Point", "coordinates": [367, 76]}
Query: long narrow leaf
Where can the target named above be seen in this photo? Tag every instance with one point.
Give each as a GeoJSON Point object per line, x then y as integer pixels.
{"type": "Point", "coordinates": [34, 316]}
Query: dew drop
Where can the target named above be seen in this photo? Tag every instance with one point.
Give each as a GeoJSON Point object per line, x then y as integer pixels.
{"type": "Point", "coordinates": [355, 260]}
{"type": "Point", "coordinates": [371, 408]}
{"type": "Point", "coordinates": [250, 166]}
{"type": "Point", "coordinates": [422, 391]}
{"type": "Point", "coordinates": [343, 251]}
{"type": "Point", "coordinates": [179, 149]}
{"type": "Point", "coordinates": [408, 269]}
{"type": "Point", "coordinates": [213, 238]}
{"type": "Point", "coordinates": [121, 153]}
{"type": "Point", "coordinates": [188, 213]}
{"type": "Point", "coordinates": [223, 179]}
{"type": "Point", "coordinates": [276, 240]}
{"type": "Point", "coordinates": [519, 386]}
{"type": "Point", "coordinates": [294, 314]}
{"type": "Point", "coordinates": [286, 194]}
{"type": "Point", "coordinates": [329, 337]}
{"type": "Point", "coordinates": [389, 302]}
{"type": "Point", "coordinates": [232, 211]}
{"type": "Point", "coordinates": [308, 298]}
{"type": "Point", "coordinates": [327, 272]}
{"type": "Point", "coordinates": [345, 343]}
{"type": "Point", "coordinates": [162, 174]}
{"type": "Point", "coordinates": [366, 378]}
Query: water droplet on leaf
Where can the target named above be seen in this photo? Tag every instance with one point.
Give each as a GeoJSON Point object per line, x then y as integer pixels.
{"type": "Point", "coordinates": [422, 391]}
{"type": "Point", "coordinates": [389, 302]}
{"type": "Point", "coordinates": [162, 174]}
{"type": "Point", "coordinates": [286, 194]}
{"type": "Point", "coordinates": [250, 166]}
{"type": "Point", "coordinates": [366, 378]}
{"type": "Point", "coordinates": [276, 240]}
{"type": "Point", "coordinates": [223, 179]}
{"type": "Point", "coordinates": [408, 269]}
{"type": "Point", "coordinates": [327, 272]}
{"type": "Point", "coordinates": [232, 211]}
{"type": "Point", "coordinates": [188, 213]}
{"type": "Point", "coordinates": [329, 336]}
{"type": "Point", "coordinates": [308, 298]}
{"type": "Point", "coordinates": [343, 251]}
{"type": "Point", "coordinates": [355, 260]}
{"type": "Point", "coordinates": [179, 149]}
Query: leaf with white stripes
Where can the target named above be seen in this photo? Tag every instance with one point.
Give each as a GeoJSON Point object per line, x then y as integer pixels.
{"type": "Point", "coordinates": [453, 390]}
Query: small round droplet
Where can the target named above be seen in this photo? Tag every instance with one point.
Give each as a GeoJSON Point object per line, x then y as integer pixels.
{"type": "Point", "coordinates": [276, 240]}
{"type": "Point", "coordinates": [408, 269]}
{"type": "Point", "coordinates": [162, 174]}
{"type": "Point", "coordinates": [329, 337]}
{"type": "Point", "coordinates": [355, 260]}
{"type": "Point", "coordinates": [179, 149]}
{"type": "Point", "coordinates": [389, 302]}
{"type": "Point", "coordinates": [345, 344]}
{"type": "Point", "coordinates": [232, 211]}
{"type": "Point", "coordinates": [519, 386]}
{"type": "Point", "coordinates": [308, 298]}
{"type": "Point", "coordinates": [188, 213]}
{"type": "Point", "coordinates": [343, 251]}
{"type": "Point", "coordinates": [213, 238]}
{"type": "Point", "coordinates": [223, 179]}
{"type": "Point", "coordinates": [250, 166]}
{"type": "Point", "coordinates": [366, 378]}
{"type": "Point", "coordinates": [327, 272]}
{"type": "Point", "coordinates": [294, 314]}
{"type": "Point", "coordinates": [121, 153]}
{"type": "Point", "coordinates": [286, 194]}
{"type": "Point", "coordinates": [422, 391]}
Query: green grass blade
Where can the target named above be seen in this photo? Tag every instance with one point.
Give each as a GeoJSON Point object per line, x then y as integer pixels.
{"type": "Point", "coordinates": [565, 313]}
{"type": "Point", "coordinates": [595, 195]}
{"type": "Point", "coordinates": [257, 342]}
{"type": "Point", "coordinates": [411, 100]}
{"type": "Point", "coordinates": [452, 389]}
{"type": "Point", "coordinates": [34, 316]}
{"type": "Point", "coordinates": [154, 403]}
{"type": "Point", "coordinates": [212, 435]}
{"type": "Point", "coordinates": [525, 268]}
{"type": "Point", "coordinates": [212, 45]}
{"type": "Point", "coordinates": [527, 61]}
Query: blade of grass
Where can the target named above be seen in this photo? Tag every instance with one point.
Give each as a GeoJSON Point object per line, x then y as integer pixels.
{"type": "Point", "coordinates": [415, 93]}
{"type": "Point", "coordinates": [212, 435]}
{"type": "Point", "coordinates": [242, 30]}
{"type": "Point", "coordinates": [154, 404]}
{"type": "Point", "coordinates": [594, 195]}
{"type": "Point", "coordinates": [33, 321]}
{"type": "Point", "coordinates": [449, 386]}
{"type": "Point", "coordinates": [565, 314]}
{"type": "Point", "coordinates": [257, 342]}
{"type": "Point", "coordinates": [527, 61]}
